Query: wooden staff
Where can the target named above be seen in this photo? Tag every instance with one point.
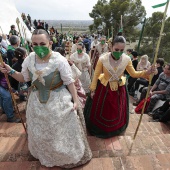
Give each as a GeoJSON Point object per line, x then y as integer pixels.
{"type": "Point", "coordinates": [121, 22]}
{"type": "Point", "coordinates": [12, 95]}
{"type": "Point", "coordinates": [151, 76]}
{"type": "Point", "coordinates": [17, 21]}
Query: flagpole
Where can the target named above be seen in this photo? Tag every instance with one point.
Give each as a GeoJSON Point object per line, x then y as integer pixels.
{"type": "Point", "coordinates": [151, 76]}
{"type": "Point", "coordinates": [121, 22]}
{"type": "Point", "coordinates": [141, 34]}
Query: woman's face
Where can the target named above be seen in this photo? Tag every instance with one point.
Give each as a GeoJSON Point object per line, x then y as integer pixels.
{"type": "Point", "coordinates": [41, 40]}
{"type": "Point", "coordinates": [143, 60]}
{"type": "Point", "coordinates": [79, 49]}
{"type": "Point", "coordinates": [119, 47]}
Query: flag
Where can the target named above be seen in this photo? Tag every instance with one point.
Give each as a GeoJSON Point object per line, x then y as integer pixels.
{"type": "Point", "coordinates": [121, 30]}
{"type": "Point", "coordinates": [159, 5]}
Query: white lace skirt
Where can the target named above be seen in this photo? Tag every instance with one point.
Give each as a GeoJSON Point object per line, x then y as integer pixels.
{"type": "Point", "coordinates": [55, 134]}
{"type": "Point", "coordinates": [85, 80]}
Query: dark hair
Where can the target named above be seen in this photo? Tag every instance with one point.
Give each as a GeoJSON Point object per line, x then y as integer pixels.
{"type": "Point", "coordinates": [20, 52]}
{"type": "Point", "coordinates": [134, 53]}
{"type": "Point", "coordinates": [77, 38]}
{"type": "Point", "coordinates": [41, 31]}
{"type": "Point", "coordinates": [118, 39]}
{"type": "Point", "coordinates": [130, 50]}
{"type": "Point", "coordinates": [168, 64]}
{"type": "Point", "coordinates": [60, 50]}
{"type": "Point", "coordinates": [160, 61]}
{"type": "Point", "coordinates": [12, 26]}
{"type": "Point", "coordinates": [81, 44]}
{"type": "Point", "coordinates": [95, 37]}
{"type": "Point", "coordinates": [14, 39]}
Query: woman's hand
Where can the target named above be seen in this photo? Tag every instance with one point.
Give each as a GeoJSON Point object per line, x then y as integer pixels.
{"type": "Point", "coordinates": [75, 106]}
{"type": "Point", "coordinates": [70, 62]}
{"type": "Point", "coordinates": [154, 92]}
{"type": "Point", "coordinates": [92, 94]}
{"type": "Point", "coordinates": [5, 68]}
{"type": "Point", "coordinates": [150, 93]}
{"type": "Point", "coordinates": [151, 70]}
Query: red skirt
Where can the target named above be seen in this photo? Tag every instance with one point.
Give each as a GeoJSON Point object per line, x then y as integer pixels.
{"type": "Point", "coordinates": [107, 114]}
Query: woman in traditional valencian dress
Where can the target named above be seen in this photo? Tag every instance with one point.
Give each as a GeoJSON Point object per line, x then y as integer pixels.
{"type": "Point", "coordinates": [55, 134]}
{"type": "Point", "coordinates": [82, 62]}
{"type": "Point", "coordinates": [100, 48]}
{"type": "Point", "coordinates": [76, 73]}
{"type": "Point", "coordinates": [107, 110]}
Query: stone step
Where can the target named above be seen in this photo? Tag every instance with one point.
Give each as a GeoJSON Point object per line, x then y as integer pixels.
{"type": "Point", "coordinates": [16, 148]}
{"type": "Point", "coordinates": [147, 128]}
{"type": "Point", "coordinates": [94, 164]}
{"type": "Point", "coordinates": [11, 129]}
{"type": "Point", "coordinates": [142, 162]}
{"type": "Point", "coordinates": [146, 162]}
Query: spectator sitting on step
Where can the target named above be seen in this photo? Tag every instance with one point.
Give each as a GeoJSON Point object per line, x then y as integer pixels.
{"type": "Point", "coordinates": [6, 100]}
{"type": "Point", "coordinates": [132, 80]}
{"type": "Point", "coordinates": [160, 89]}
{"type": "Point", "coordinates": [20, 54]}
{"type": "Point", "coordinates": [15, 42]}
{"type": "Point", "coordinates": [4, 41]}
{"type": "Point", "coordinates": [162, 114]}
{"type": "Point", "coordinates": [144, 82]}
{"type": "Point", "coordinates": [143, 64]}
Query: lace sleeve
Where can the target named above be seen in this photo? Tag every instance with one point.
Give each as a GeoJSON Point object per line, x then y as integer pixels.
{"type": "Point", "coordinates": [65, 71]}
{"type": "Point", "coordinates": [24, 70]}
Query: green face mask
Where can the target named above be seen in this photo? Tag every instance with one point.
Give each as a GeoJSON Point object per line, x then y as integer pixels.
{"type": "Point", "coordinates": [79, 51]}
{"type": "Point", "coordinates": [103, 42]}
{"type": "Point", "coordinates": [117, 54]}
{"type": "Point", "coordinates": [41, 51]}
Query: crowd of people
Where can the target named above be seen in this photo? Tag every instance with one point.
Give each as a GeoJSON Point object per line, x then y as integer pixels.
{"type": "Point", "coordinates": [85, 87]}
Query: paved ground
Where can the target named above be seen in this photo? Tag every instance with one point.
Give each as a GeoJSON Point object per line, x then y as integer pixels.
{"type": "Point", "coordinates": [150, 151]}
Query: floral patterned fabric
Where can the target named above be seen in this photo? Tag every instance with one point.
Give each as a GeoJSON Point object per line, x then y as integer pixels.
{"type": "Point", "coordinates": [55, 133]}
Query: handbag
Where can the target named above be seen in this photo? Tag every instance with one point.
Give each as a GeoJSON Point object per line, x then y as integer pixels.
{"type": "Point", "coordinates": [22, 87]}
{"type": "Point", "coordinates": [139, 107]}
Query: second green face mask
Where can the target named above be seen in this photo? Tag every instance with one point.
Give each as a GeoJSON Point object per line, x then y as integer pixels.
{"type": "Point", "coordinates": [117, 54]}
{"type": "Point", "coordinates": [41, 51]}
{"type": "Point", "coordinates": [103, 42]}
{"type": "Point", "coordinates": [79, 51]}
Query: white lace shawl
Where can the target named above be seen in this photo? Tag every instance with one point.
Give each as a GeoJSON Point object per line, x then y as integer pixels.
{"type": "Point", "coordinates": [115, 72]}
{"type": "Point", "coordinates": [57, 61]}
{"type": "Point", "coordinates": [81, 63]}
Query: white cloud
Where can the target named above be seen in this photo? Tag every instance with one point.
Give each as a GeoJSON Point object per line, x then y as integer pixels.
{"type": "Point", "coordinates": [148, 6]}
{"type": "Point", "coordinates": [56, 9]}
{"type": "Point", "coordinates": [70, 9]}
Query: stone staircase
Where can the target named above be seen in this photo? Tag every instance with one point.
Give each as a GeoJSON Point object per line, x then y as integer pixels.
{"type": "Point", "coordinates": [150, 151]}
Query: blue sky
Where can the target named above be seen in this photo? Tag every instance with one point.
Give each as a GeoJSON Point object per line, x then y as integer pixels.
{"type": "Point", "coordinates": [69, 9]}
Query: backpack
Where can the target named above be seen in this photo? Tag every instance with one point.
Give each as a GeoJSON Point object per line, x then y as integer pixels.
{"type": "Point", "coordinates": [160, 115]}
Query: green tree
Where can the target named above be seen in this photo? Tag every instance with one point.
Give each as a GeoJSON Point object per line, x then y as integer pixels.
{"type": "Point", "coordinates": [151, 35]}
{"type": "Point", "coordinates": [108, 14]}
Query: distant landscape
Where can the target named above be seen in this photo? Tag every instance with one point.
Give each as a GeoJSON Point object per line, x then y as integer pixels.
{"type": "Point", "coordinates": [72, 25]}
